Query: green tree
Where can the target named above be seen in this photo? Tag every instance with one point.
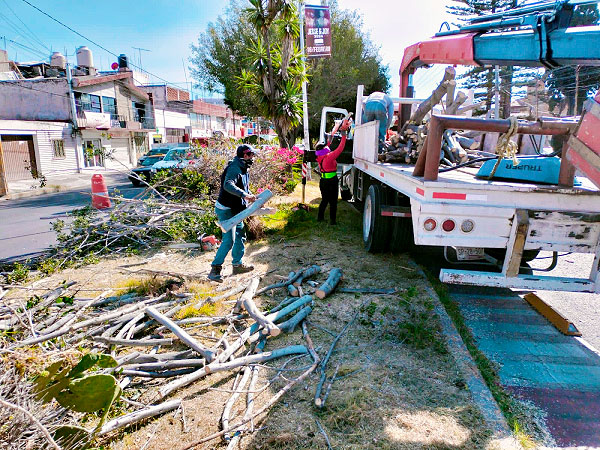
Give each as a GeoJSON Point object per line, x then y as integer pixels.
{"type": "Point", "coordinates": [219, 57]}
{"type": "Point", "coordinates": [275, 70]}
{"type": "Point", "coordinates": [565, 84]}
{"type": "Point", "coordinates": [355, 60]}
{"type": "Point", "coordinates": [481, 79]}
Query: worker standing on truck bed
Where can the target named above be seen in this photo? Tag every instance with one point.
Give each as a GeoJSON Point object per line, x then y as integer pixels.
{"type": "Point", "coordinates": [326, 159]}
{"type": "Point", "coordinates": [379, 106]}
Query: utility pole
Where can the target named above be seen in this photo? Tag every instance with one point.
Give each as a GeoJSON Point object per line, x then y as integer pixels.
{"type": "Point", "coordinates": [305, 165]}
{"type": "Point", "coordinates": [73, 114]}
{"type": "Point", "coordinates": [577, 88]}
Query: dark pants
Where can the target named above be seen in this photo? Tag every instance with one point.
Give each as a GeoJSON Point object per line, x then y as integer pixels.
{"type": "Point", "coordinates": [329, 195]}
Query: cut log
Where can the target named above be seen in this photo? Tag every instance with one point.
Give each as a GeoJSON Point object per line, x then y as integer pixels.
{"type": "Point", "coordinates": [181, 334]}
{"type": "Point", "coordinates": [434, 98]}
{"type": "Point", "coordinates": [292, 289]}
{"type": "Point", "coordinates": [289, 325]}
{"type": "Point", "coordinates": [138, 416]}
{"type": "Point", "coordinates": [307, 273]}
{"type": "Point", "coordinates": [452, 109]}
{"type": "Point", "coordinates": [261, 199]}
{"type": "Point", "coordinates": [254, 312]}
{"type": "Point", "coordinates": [133, 342]}
{"type": "Point", "coordinates": [335, 275]}
{"type": "Point", "coordinates": [217, 366]}
{"type": "Point", "coordinates": [467, 142]}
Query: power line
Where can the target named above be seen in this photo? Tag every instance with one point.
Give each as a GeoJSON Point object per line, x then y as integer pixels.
{"type": "Point", "coordinates": [90, 40]}
{"type": "Point", "coordinates": [25, 25]}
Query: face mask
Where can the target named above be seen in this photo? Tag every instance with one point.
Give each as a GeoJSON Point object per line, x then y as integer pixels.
{"type": "Point", "coordinates": [248, 162]}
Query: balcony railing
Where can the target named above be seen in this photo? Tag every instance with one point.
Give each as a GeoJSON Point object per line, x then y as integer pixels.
{"type": "Point", "coordinates": [117, 121]}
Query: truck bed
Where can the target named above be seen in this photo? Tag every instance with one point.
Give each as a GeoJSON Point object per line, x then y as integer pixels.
{"type": "Point", "coordinates": [462, 184]}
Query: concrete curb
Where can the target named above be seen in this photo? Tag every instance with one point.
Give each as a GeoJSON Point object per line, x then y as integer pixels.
{"type": "Point", "coordinates": [481, 394]}
{"type": "Point", "coordinates": [35, 192]}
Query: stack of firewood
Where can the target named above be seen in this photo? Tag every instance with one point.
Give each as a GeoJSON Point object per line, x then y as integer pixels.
{"type": "Point", "coordinates": [457, 148]}
{"type": "Point", "coordinates": [113, 326]}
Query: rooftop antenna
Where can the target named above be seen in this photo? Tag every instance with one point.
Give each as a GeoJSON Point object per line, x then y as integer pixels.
{"type": "Point", "coordinates": [140, 50]}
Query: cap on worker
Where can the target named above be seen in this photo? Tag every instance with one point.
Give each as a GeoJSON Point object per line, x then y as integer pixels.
{"type": "Point", "coordinates": [321, 149]}
{"type": "Point", "coordinates": [246, 149]}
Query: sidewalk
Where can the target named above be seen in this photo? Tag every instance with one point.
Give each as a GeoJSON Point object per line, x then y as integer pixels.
{"type": "Point", "coordinates": [63, 182]}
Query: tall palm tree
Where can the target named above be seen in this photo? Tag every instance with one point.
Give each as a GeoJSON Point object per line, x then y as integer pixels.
{"type": "Point", "coordinates": [275, 68]}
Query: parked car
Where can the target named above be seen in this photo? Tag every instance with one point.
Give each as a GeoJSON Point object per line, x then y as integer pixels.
{"type": "Point", "coordinates": [145, 170]}
{"type": "Point", "coordinates": [153, 152]}
{"type": "Point", "coordinates": [176, 158]}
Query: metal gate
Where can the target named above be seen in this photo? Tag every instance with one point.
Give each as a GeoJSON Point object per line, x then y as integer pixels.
{"type": "Point", "coordinates": [19, 157]}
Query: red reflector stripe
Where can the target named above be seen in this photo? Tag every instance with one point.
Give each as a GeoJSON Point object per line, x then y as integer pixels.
{"type": "Point", "coordinates": [420, 191]}
{"type": "Point", "coordinates": [395, 214]}
{"type": "Point", "coordinates": [449, 196]}
{"type": "Point", "coordinates": [381, 174]}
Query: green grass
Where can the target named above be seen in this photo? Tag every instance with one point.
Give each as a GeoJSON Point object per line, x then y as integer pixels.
{"type": "Point", "coordinates": [145, 286]}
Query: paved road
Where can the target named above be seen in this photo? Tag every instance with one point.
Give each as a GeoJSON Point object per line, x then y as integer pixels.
{"type": "Point", "coordinates": [25, 224]}
{"type": "Point", "coordinates": [581, 309]}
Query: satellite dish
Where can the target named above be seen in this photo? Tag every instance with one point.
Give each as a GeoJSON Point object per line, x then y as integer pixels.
{"type": "Point", "coordinates": [114, 66]}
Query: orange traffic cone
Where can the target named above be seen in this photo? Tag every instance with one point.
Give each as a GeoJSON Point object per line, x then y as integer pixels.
{"type": "Point", "coordinates": [99, 187]}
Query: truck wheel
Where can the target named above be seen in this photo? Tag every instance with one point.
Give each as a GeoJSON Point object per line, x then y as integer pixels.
{"type": "Point", "coordinates": [375, 229]}
{"type": "Point", "coordinates": [401, 230]}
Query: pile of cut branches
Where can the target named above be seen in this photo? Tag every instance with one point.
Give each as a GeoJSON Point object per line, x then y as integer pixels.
{"type": "Point", "coordinates": [95, 351]}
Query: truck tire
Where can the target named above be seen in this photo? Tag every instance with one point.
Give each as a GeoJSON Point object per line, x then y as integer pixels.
{"type": "Point", "coordinates": [401, 229]}
{"type": "Point", "coordinates": [375, 226]}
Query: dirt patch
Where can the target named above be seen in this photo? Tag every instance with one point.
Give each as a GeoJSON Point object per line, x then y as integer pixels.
{"type": "Point", "coordinates": [396, 387]}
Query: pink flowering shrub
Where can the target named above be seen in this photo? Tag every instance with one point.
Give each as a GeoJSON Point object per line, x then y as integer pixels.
{"type": "Point", "coordinates": [274, 168]}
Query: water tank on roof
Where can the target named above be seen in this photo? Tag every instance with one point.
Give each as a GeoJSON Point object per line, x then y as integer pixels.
{"type": "Point", "coordinates": [57, 59]}
{"type": "Point", "coordinates": [84, 57]}
{"type": "Point", "coordinates": [123, 61]}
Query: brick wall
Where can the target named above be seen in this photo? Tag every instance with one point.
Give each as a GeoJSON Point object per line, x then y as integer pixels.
{"type": "Point", "coordinates": [177, 94]}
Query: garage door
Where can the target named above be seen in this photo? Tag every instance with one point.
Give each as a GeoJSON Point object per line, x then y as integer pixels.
{"type": "Point", "coordinates": [120, 151]}
{"type": "Point", "coordinates": [19, 157]}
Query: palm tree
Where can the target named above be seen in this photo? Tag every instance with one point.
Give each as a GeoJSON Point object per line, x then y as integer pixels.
{"type": "Point", "coordinates": [275, 67]}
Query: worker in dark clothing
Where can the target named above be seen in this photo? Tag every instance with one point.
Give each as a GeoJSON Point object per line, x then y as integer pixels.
{"type": "Point", "coordinates": [329, 183]}
{"type": "Point", "coordinates": [379, 106]}
{"type": "Point", "coordinates": [234, 197]}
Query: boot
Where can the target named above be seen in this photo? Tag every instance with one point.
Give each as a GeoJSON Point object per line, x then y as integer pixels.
{"type": "Point", "coordinates": [215, 274]}
{"type": "Point", "coordinates": [241, 268]}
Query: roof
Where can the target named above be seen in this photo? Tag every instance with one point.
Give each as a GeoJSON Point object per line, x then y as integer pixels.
{"type": "Point", "coordinates": [92, 80]}
{"type": "Point", "coordinates": [125, 77]}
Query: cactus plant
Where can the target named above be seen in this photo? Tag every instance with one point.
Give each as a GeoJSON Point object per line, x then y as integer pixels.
{"type": "Point", "coordinates": [76, 390]}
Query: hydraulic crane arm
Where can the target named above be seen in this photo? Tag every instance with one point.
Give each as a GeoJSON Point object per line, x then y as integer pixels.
{"type": "Point", "coordinates": [532, 36]}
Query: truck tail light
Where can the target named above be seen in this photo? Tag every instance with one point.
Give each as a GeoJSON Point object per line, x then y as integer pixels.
{"type": "Point", "coordinates": [467, 226]}
{"type": "Point", "coordinates": [430, 224]}
{"type": "Point", "coordinates": [448, 225]}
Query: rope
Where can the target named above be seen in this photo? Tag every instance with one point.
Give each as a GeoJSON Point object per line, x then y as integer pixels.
{"type": "Point", "coordinates": [505, 147]}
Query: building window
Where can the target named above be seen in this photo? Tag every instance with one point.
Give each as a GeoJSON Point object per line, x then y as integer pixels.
{"type": "Point", "coordinates": [58, 146]}
{"type": "Point", "coordinates": [88, 102]}
{"type": "Point", "coordinates": [93, 153]}
{"type": "Point", "coordinates": [109, 106]}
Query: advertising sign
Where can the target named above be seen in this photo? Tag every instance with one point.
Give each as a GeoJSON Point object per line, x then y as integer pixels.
{"type": "Point", "coordinates": [318, 31]}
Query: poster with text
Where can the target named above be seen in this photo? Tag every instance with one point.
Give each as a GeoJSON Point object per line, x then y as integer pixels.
{"type": "Point", "coordinates": [318, 31]}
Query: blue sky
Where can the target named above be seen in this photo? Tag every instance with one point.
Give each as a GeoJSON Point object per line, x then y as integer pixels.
{"type": "Point", "coordinates": [167, 28]}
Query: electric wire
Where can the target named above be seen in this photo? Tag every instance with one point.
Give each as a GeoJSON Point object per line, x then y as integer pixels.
{"type": "Point", "coordinates": [39, 41]}
{"type": "Point", "coordinates": [93, 42]}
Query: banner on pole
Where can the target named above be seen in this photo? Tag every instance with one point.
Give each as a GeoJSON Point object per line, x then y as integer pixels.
{"type": "Point", "coordinates": [317, 25]}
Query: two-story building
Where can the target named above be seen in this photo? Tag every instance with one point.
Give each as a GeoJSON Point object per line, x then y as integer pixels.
{"type": "Point", "coordinates": [172, 109]}
{"type": "Point", "coordinates": [50, 126]}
